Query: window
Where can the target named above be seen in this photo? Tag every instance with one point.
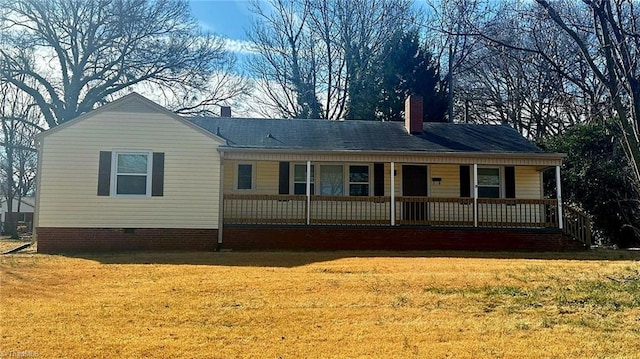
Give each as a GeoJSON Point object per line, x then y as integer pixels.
{"type": "Point", "coordinates": [331, 180]}
{"type": "Point", "coordinates": [300, 179]}
{"type": "Point", "coordinates": [358, 180]}
{"type": "Point", "coordinates": [132, 173]}
{"type": "Point", "coordinates": [488, 182]}
{"type": "Point", "coordinates": [245, 176]}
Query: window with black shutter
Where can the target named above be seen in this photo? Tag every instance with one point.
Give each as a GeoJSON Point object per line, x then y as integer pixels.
{"type": "Point", "coordinates": [283, 187]}
{"type": "Point", "coordinates": [510, 182]}
{"type": "Point", "coordinates": [465, 181]}
{"type": "Point", "coordinates": [378, 179]}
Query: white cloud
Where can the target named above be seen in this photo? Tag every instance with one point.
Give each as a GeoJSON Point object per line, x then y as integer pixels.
{"type": "Point", "coordinates": [239, 46]}
{"type": "Point", "coordinates": [206, 27]}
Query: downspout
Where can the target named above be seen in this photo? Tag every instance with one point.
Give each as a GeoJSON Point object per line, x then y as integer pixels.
{"type": "Point", "coordinates": [220, 203]}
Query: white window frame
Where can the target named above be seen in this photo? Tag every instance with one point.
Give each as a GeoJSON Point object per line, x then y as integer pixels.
{"type": "Point", "coordinates": [115, 174]}
{"type": "Point", "coordinates": [348, 178]}
{"type": "Point", "coordinates": [319, 177]}
{"type": "Point", "coordinates": [345, 177]}
{"type": "Point", "coordinates": [237, 173]}
{"type": "Point", "coordinates": [500, 185]}
{"type": "Point", "coordinates": [292, 174]}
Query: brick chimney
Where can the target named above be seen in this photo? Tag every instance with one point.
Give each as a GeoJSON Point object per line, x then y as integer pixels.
{"type": "Point", "coordinates": [225, 111]}
{"type": "Point", "coordinates": [413, 114]}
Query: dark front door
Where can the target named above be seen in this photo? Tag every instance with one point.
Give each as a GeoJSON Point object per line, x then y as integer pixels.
{"type": "Point", "coordinates": [414, 183]}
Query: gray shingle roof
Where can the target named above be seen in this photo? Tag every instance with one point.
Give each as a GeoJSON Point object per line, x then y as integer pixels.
{"type": "Point", "coordinates": [324, 135]}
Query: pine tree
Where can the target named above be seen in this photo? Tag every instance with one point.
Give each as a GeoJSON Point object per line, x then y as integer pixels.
{"type": "Point", "coordinates": [406, 68]}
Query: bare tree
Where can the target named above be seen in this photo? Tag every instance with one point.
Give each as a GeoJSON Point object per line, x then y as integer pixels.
{"type": "Point", "coordinates": [71, 55]}
{"type": "Point", "coordinates": [613, 56]}
{"type": "Point", "coordinates": [20, 120]}
{"type": "Point", "coordinates": [592, 45]}
{"type": "Point", "coordinates": [287, 67]}
{"type": "Point", "coordinates": [509, 79]}
{"type": "Point", "coordinates": [452, 24]}
{"type": "Point", "coordinates": [317, 58]}
{"type": "Point", "coordinates": [365, 28]}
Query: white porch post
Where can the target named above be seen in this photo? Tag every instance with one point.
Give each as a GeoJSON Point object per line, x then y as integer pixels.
{"type": "Point", "coordinates": [559, 195]}
{"type": "Point", "coordinates": [308, 191]}
{"type": "Point", "coordinates": [475, 194]}
{"type": "Point", "coordinates": [393, 194]}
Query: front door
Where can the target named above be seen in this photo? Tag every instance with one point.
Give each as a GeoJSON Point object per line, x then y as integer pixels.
{"type": "Point", "coordinates": [414, 183]}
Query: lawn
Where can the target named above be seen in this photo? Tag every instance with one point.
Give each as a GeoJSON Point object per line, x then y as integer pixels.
{"type": "Point", "coordinates": [305, 305]}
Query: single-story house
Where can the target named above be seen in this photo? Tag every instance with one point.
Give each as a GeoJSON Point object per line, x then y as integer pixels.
{"type": "Point", "coordinates": [21, 211]}
{"type": "Point", "coordinates": [133, 175]}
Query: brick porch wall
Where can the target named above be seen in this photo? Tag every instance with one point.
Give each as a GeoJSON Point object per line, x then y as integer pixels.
{"type": "Point", "coordinates": [59, 240]}
{"type": "Point", "coordinates": [399, 238]}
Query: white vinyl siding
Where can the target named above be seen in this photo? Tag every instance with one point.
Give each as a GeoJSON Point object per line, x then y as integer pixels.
{"type": "Point", "coordinates": [528, 183]}
{"type": "Point", "coordinates": [69, 174]}
{"type": "Point", "coordinates": [449, 185]}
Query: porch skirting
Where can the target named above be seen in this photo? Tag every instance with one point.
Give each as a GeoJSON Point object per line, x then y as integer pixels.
{"type": "Point", "coordinates": [256, 237]}
{"type": "Point", "coordinates": [65, 239]}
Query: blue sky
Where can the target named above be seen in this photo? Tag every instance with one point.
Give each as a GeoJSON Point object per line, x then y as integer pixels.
{"type": "Point", "coordinates": [228, 18]}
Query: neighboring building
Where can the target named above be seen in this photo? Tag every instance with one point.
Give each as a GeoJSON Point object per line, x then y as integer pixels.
{"type": "Point", "coordinates": [22, 210]}
{"type": "Point", "coordinates": [132, 175]}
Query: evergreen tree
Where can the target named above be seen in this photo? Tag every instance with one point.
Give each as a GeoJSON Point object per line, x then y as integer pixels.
{"type": "Point", "coordinates": [597, 177]}
{"type": "Point", "coordinates": [407, 68]}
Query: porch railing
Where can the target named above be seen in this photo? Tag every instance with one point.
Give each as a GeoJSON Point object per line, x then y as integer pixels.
{"type": "Point", "coordinates": [265, 209]}
{"type": "Point", "coordinates": [340, 210]}
{"type": "Point", "coordinates": [520, 213]}
{"type": "Point", "coordinates": [576, 225]}
{"type": "Point", "coordinates": [431, 211]}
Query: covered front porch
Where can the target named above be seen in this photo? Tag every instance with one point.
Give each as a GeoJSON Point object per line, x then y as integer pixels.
{"type": "Point", "coordinates": [420, 198]}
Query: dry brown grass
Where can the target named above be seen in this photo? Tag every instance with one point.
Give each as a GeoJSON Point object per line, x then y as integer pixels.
{"type": "Point", "coordinates": [295, 305]}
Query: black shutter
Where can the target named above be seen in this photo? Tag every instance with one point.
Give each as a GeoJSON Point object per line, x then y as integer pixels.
{"type": "Point", "coordinates": [157, 176]}
{"type": "Point", "coordinates": [465, 181]}
{"type": "Point", "coordinates": [284, 178]}
{"type": "Point", "coordinates": [510, 182]}
{"type": "Point", "coordinates": [104, 173]}
{"type": "Point", "coordinates": [378, 179]}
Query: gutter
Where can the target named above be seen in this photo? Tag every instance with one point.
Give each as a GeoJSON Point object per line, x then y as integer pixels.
{"type": "Point", "coordinates": [527, 155]}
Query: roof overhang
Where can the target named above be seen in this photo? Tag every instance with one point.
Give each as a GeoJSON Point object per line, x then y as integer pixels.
{"type": "Point", "coordinates": [540, 159]}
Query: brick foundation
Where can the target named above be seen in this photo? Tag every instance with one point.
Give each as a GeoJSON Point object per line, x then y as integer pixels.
{"type": "Point", "coordinates": [400, 238]}
{"type": "Point", "coordinates": [59, 240]}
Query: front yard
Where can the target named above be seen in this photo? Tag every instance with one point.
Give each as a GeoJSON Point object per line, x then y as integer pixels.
{"type": "Point", "coordinates": [344, 304]}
